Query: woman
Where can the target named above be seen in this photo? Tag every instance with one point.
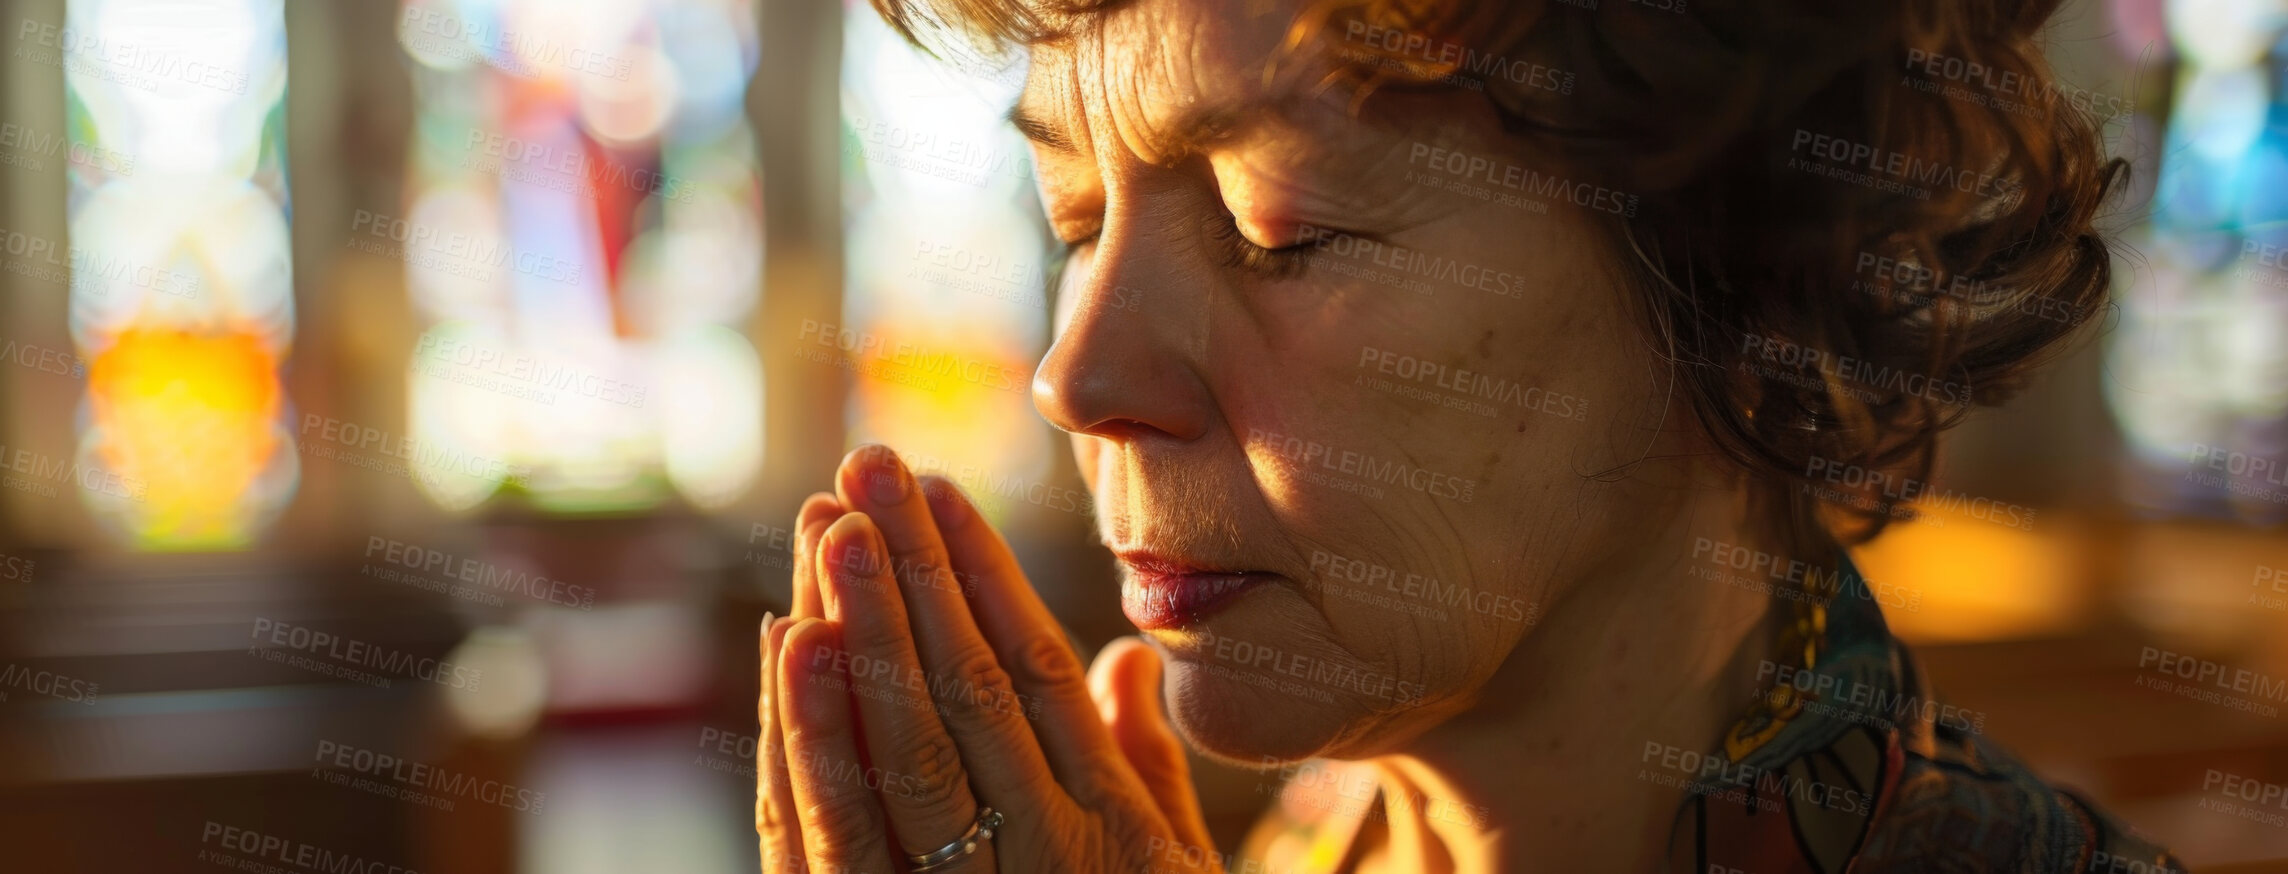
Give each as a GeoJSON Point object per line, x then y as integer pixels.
{"type": "Point", "coordinates": [1476, 397]}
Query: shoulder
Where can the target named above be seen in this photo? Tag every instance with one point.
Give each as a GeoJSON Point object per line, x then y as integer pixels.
{"type": "Point", "coordinates": [1962, 803]}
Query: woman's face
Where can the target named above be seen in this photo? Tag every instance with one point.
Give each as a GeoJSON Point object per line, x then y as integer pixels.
{"type": "Point", "coordinates": [1343, 388]}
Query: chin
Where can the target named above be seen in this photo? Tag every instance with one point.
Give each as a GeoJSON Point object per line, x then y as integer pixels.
{"type": "Point", "coordinates": [1247, 719]}
{"type": "Point", "coordinates": [1252, 684]}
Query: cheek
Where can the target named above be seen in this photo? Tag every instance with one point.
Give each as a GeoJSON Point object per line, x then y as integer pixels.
{"type": "Point", "coordinates": [1433, 637]}
{"type": "Point", "coordinates": [1433, 473]}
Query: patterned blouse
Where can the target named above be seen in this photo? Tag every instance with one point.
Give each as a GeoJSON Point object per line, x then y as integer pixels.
{"type": "Point", "coordinates": [1860, 772]}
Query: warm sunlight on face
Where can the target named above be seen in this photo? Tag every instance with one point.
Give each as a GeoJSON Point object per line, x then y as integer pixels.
{"type": "Point", "coordinates": [1348, 392]}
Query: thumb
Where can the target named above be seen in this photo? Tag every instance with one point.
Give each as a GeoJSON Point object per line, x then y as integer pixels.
{"type": "Point", "coordinates": [1125, 682]}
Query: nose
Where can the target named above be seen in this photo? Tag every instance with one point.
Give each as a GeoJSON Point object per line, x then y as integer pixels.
{"type": "Point", "coordinates": [1125, 364]}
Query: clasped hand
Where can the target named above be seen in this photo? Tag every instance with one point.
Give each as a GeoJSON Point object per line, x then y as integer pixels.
{"type": "Point", "coordinates": [921, 680]}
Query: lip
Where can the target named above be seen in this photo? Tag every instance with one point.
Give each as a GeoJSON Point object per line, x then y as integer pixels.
{"type": "Point", "coordinates": [1161, 592]}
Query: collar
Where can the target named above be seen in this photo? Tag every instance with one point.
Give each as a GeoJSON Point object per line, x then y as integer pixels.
{"type": "Point", "coordinates": [1796, 787]}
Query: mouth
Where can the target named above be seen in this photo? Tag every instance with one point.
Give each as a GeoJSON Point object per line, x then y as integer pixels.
{"type": "Point", "coordinates": [1162, 592]}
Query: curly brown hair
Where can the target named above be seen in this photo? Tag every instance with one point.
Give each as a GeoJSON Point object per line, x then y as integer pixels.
{"type": "Point", "coordinates": [1856, 221]}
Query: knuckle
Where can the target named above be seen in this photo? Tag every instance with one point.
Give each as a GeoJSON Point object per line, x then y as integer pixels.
{"type": "Point", "coordinates": [941, 801]}
{"type": "Point", "coordinates": [940, 784]}
{"type": "Point", "coordinates": [879, 637]}
{"type": "Point", "coordinates": [1050, 665]}
{"type": "Point", "coordinates": [837, 819]}
{"type": "Point", "coordinates": [926, 569]}
{"type": "Point", "coordinates": [977, 677]}
{"type": "Point", "coordinates": [766, 813]}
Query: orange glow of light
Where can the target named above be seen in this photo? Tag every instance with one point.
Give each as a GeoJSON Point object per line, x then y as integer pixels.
{"type": "Point", "coordinates": [1976, 579]}
{"type": "Point", "coordinates": [191, 417]}
{"type": "Point", "coordinates": [906, 396]}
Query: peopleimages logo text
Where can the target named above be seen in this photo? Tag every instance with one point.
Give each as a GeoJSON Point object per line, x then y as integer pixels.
{"type": "Point", "coordinates": [464, 247]}
{"type": "Point", "coordinates": [2240, 464]}
{"type": "Point", "coordinates": [260, 849]}
{"type": "Point", "coordinates": [1844, 152]}
{"type": "Point", "coordinates": [92, 53]}
{"type": "Point", "coordinates": [530, 369]}
{"type": "Point", "coordinates": [2213, 673]}
{"type": "Point", "coordinates": [1471, 384]}
{"type": "Point", "coordinates": [348, 651]}
{"type": "Point", "coordinates": [1715, 773]}
{"type": "Point", "coordinates": [1904, 489]}
{"type": "Point", "coordinates": [1413, 585]}
{"type": "Point", "coordinates": [575, 163]}
{"type": "Point", "coordinates": [1510, 174]}
{"type": "Point", "coordinates": [1311, 453]}
{"type": "Point", "coordinates": [469, 570]}
{"type": "Point", "coordinates": [421, 775]}
{"type": "Point", "coordinates": [1412, 262]}
{"type": "Point", "coordinates": [1484, 65]}
{"type": "Point", "coordinates": [2011, 83]}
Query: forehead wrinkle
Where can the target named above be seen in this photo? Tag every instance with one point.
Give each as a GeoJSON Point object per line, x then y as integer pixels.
{"type": "Point", "coordinates": [1155, 79]}
{"type": "Point", "coordinates": [1133, 85]}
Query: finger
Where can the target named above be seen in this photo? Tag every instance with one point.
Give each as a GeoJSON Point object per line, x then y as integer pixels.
{"type": "Point", "coordinates": [774, 792]}
{"type": "Point", "coordinates": [841, 821]}
{"type": "Point", "coordinates": [818, 511]}
{"type": "Point", "coordinates": [923, 787]}
{"type": "Point", "coordinates": [1029, 644]}
{"type": "Point", "coordinates": [1125, 681]}
{"type": "Point", "coordinates": [762, 736]}
{"type": "Point", "coordinates": [979, 703]}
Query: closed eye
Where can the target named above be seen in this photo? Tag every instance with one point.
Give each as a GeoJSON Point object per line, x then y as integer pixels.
{"type": "Point", "coordinates": [1243, 254]}
{"type": "Point", "coordinates": [1234, 249]}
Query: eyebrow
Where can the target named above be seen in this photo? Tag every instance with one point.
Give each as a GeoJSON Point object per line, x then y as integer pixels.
{"type": "Point", "coordinates": [1039, 131]}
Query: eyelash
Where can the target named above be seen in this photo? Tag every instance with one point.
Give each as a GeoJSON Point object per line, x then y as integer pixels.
{"type": "Point", "coordinates": [1238, 253]}
{"type": "Point", "coordinates": [1243, 254]}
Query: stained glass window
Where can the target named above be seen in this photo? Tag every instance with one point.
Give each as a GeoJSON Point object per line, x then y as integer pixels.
{"type": "Point", "coordinates": [581, 237]}
{"type": "Point", "coordinates": [182, 292]}
{"type": "Point", "coordinates": [2199, 362]}
{"type": "Point", "coordinates": [946, 311]}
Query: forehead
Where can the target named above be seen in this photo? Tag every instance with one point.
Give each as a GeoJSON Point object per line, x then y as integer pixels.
{"type": "Point", "coordinates": [1153, 77]}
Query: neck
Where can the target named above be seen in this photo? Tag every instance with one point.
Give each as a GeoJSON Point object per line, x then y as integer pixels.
{"type": "Point", "coordinates": [1559, 761]}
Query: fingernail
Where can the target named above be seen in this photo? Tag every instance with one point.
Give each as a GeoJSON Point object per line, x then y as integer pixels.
{"type": "Point", "coordinates": [765, 629]}
{"type": "Point", "coordinates": [886, 483]}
